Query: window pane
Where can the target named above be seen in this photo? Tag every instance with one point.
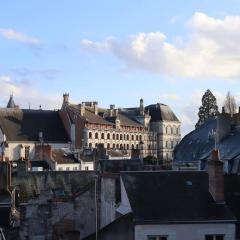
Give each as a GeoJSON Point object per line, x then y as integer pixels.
{"type": "Point", "coordinates": [219, 237]}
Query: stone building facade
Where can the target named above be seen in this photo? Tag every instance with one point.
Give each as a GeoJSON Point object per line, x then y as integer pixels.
{"type": "Point", "coordinates": [153, 130]}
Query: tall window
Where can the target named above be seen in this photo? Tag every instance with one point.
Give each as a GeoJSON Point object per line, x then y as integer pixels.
{"type": "Point", "coordinates": [108, 145]}
{"type": "Point", "coordinates": [127, 137]}
{"type": "Point", "coordinates": [96, 135]}
{"type": "Point", "coordinates": [108, 136]}
{"type": "Point", "coordinates": [214, 237]}
{"type": "Point", "coordinates": [27, 152]}
{"type": "Point", "coordinates": [117, 136]}
{"type": "Point", "coordinates": [90, 135]}
{"type": "Point", "coordinates": [102, 136]}
{"type": "Point", "coordinates": [113, 136]}
{"type": "Point", "coordinates": [120, 136]}
{"type": "Point", "coordinates": [132, 137]}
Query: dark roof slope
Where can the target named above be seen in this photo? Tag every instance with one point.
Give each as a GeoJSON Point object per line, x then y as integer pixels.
{"type": "Point", "coordinates": [116, 166]}
{"type": "Point", "coordinates": [170, 196]}
{"type": "Point", "coordinates": [25, 125]}
{"type": "Point", "coordinates": [198, 145]}
{"type": "Point", "coordinates": [161, 112]}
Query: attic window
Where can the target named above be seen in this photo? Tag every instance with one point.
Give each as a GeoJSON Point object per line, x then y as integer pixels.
{"type": "Point", "coordinates": [189, 183]}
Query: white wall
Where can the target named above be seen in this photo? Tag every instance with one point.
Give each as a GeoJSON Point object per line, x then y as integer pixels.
{"type": "Point", "coordinates": [15, 151]}
{"type": "Point", "coordinates": [67, 166]}
{"type": "Point", "coordinates": [185, 231]}
{"type": "Point", "coordinates": [87, 166]}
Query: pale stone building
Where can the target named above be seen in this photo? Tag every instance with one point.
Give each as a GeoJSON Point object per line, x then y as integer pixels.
{"type": "Point", "coordinates": [153, 130]}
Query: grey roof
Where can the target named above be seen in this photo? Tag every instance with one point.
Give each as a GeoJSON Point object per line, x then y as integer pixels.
{"type": "Point", "coordinates": [198, 145]}
{"type": "Point", "coordinates": [161, 112]}
{"type": "Point", "coordinates": [169, 196]}
{"type": "Point", "coordinates": [11, 103]}
{"type": "Point", "coordinates": [25, 125]}
{"type": "Point", "coordinates": [118, 165]}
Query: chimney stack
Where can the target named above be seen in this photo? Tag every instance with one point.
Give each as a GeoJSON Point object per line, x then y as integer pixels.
{"type": "Point", "coordinates": [95, 108]}
{"type": "Point", "coordinates": [82, 108]}
{"type": "Point", "coordinates": [66, 98]}
{"type": "Point", "coordinates": [216, 177]}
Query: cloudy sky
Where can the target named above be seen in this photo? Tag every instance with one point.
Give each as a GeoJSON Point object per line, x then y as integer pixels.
{"type": "Point", "coordinates": [117, 51]}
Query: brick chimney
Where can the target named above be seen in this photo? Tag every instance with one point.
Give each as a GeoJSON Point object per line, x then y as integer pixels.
{"type": "Point", "coordinates": [216, 177]}
{"type": "Point", "coordinates": [43, 152]}
{"type": "Point", "coordinates": [95, 108]}
{"type": "Point", "coordinates": [66, 98]}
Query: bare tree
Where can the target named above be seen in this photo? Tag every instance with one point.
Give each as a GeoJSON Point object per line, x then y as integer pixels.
{"type": "Point", "coordinates": [230, 105]}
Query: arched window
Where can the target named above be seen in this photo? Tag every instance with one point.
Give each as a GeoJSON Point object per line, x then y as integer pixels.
{"type": "Point", "coordinates": [124, 146]}
{"type": "Point", "coordinates": [137, 137]}
{"type": "Point", "coordinates": [114, 145]}
{"type": "Point", "coordinates": [121, 146]}
{"type": "Point", "coordinates": [120, 136]}
{"type": "Point", "coordinates": [132, 137]}
{"type": "Point", "coordinates": [117, 137]}
{"type": "Point", "coordinates": [166, 145]}
{"type": "Point", "coordinates": [90, 145]}
{"type": "Point", "coordinates": [108, 146]}
{"type": "Point", "coordinates": [113, 136]}
{"type": "Point", "coordinates": [137, 146]}
{"type": "Point", "coordinates": [96, 145]}
{"type": "Point", "coordinates": [140, 137]}
{"type": "Point", "coordinates": [90, 135]}
{"type": "Point", "coordinates": [96, 135]}
{"type": "Point", "coordinates": [127, 137]}
{"type": "Point", "coordinates": [102, 136]}
{"type": "Point", "coordinates": [108, 136]}
{"type": "Point", "coordinates": [117, 146]}
{"type": "Point", "coordinates": [132, 146]}
{"type": "Point", "coordinates": [127, 146]}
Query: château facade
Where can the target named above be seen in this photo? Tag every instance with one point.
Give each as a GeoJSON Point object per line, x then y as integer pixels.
{"type": "Point", "coordinates": [153, 130]}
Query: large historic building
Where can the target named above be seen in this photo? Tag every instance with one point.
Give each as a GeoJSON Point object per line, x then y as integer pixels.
{"type": "Point", "coordinates": [153, 130]}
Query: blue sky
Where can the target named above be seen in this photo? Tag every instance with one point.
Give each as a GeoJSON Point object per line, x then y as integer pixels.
{"type": "Point", "coordinates": [116, 52]}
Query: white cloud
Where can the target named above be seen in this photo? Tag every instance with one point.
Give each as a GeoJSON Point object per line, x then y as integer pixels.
{"type": "Point", "coordinates": [170, 96]}
{"type": "Point", "coordinates": [210, 49]}
{"type": "Point", "coordinates": [11, 34]}
{"type": "Point", "coordinates": [33, 96]}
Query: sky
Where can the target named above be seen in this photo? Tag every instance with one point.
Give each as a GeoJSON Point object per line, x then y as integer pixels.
{"type": "Point", "coordinates": [118, 51]}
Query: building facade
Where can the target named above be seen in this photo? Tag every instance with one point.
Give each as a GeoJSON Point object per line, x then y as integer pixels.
{"type": "Point", "coordinates": [122, 129]}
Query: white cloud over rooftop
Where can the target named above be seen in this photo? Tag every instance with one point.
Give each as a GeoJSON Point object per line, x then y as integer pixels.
{"type": "Point", "coordinates": [210, 49]}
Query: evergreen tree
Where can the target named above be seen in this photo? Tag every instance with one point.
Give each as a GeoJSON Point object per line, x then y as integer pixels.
{"type": "Point", "coordinates": [230, 105]}
{"type": "Point", "coordinates": [209, 108]}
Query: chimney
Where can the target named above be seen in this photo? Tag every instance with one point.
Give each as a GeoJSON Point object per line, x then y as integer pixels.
{"type": "Point", "coordinates": [5, 175]}
{"type": "Point", "coordinates": [111, 109]}
{"type": "Point", "coordinates": [47, 151]}
{"type": "Point", "coordinates": [115, 112]}
{"type": "Point", "coordinates": [141, 107]}
{"type": "Point", "coordinates": [223, 126]}
{"type": "Point", "coordinates": [65, 98]}
{"type": "Point", "coordinates": [223, 110]}
{"type": "Point", "coordinates": [82, 108]}
{"type": "Point", "coordinates": [95, 108]}
{"type": "Point", "coordinates": [216, 178]}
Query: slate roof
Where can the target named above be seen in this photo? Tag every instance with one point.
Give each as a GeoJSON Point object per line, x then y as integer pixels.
{"type": "Point", "coordinates": [198, 145]}
{"type": "Point", "coordinates": [161, 112]}
{"type": "Point", "coordinates": [116, 166]}
{"type": "Point", "coordinates": [25, 125]}
{"type": "Point", "coordinates": [169, 196]}
{"type": "Point", "coordinates": [91, 117]}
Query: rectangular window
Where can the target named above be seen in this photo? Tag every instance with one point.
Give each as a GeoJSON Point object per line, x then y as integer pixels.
{"type": "Point", "coordinates": [157, 237]}
{"type": "Point", "coordinates": [214, 237]}
{"type": "Point", "coordinates": [27, 151]}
